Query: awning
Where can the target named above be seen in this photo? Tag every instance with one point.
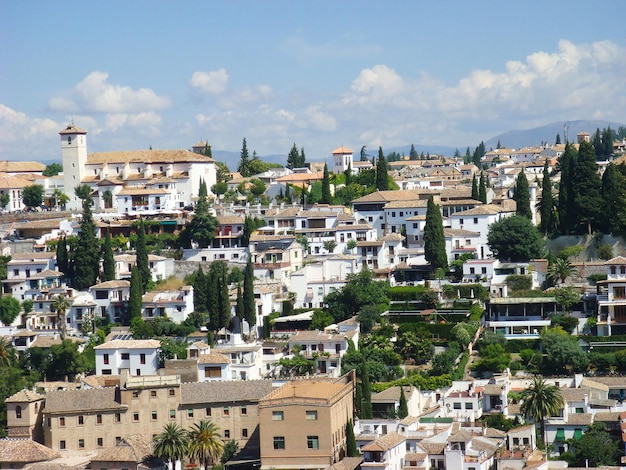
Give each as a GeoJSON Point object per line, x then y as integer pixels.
{"type": "Point", "coordinates": [578, 433]}
{"type": "Point", "coordinates": [560, 435]}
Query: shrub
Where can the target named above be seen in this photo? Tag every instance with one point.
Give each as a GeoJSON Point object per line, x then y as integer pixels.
{"type": "Point", "coordinates": [518, 282]}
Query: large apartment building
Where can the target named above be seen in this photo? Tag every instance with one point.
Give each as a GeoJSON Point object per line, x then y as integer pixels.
{"type": "Point", "coordinates": [303, 423]}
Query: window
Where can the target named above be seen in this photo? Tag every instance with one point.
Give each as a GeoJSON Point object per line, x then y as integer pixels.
{"type": "Point", "coordinates": [106, 358]}
{"type": "Point", "coordinates": [207, 411]}
{"type": "Point", "coordinates": [62, 445]}
{"type": "Point", "coordinates": [18, 412]}
{"type": "Point", "coordinates": [118, 417]}
{"type": "Point", "coordinates": [153, 393]}
{"type": "Point", "coordinates": [98, 419]}
{"type": "Point", "coordinates": [172, 414]}
{"type": "Point", "coordinates": [311, 414]}
{"type": "Point", "coordinates": [81, 443]}
{"type": "Point", "coordinates": [475, 220]}
{"type": "Point", "coordinates": [226, 411]}
{"type": "Point", "coordinates": [62, 421]}
{"type": "Point", "coordinates": [212, 372]}
{"type": "Point", "coordinates": [461, 221]}
{"type": "Point", "coordinates": [142, 358]}
{"type": "Point", "coordinates": [172, 392]}
{"type": "Point", "coordinates": [136, 417]}
{"type": "Point", "coordinates": [125, 356]}
{"type": "Point", "coordinates": [469, 405]}
{"type": "Point", "coordinates": [154, 416]}
{"type": "Point", "coordinates": [81, 420]}
{"type": "Point", "coordinates": [99, 442]}
{"type": "Point", "coordinates": [244, 410]}
{"type": "Point", "coordinates": [619, 292]}
{"type": "Point", "coordinates": [135, 393]}
{"type": "Point", "coordinates": [312, 442]}
{"type": "Point", "coordinates": [457, 405]}
{"type": "Point", "coordinates": [279, 442]}
{"type": "Point", "coordinates": [227, 433]}
{"type": "Point", "coordinates": [190, 413]}
{"type": "Point", "coordinates": [244, 432]}
{"type": "Point", "coordinates": [278, 415]}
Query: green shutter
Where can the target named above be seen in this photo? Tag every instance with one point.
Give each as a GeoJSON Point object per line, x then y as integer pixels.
{"type": "Point", "coordinates": [560, 435]}
{"type": "Point", "coordinates": [578, 433]}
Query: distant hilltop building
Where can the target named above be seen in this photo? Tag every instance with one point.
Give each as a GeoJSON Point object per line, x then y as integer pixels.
{"type": "Point", "coordinates": [133, 181]}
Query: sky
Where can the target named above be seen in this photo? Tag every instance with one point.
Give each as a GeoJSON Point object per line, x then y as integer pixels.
{"type": "Point", "coordinates": [320, 74]}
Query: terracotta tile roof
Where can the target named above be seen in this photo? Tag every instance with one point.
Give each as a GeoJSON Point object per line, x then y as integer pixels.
{"type": "Point", "coordinates": [314, 335]}
{"type": "Point", "coordinates": [130, 344]}
{"type": "Point", "coordinates": [111, 285]}
{"type": "Point", "coordinates": [342, 150]}
{"type": "Point", "coordinates": [13, 182]}
{"type": "Point", "coordinates": [24, 451]}
{"type": "Point", "coordinates": [230, 219]}
{"type": "Point", "coordinates": [384, 443]}
{"type": "Point", "coordinates": [391, 394]}
{"type": "Point", "coordinates": [616, 260]}
{"type": "Point", "coordinates": [141, 191]}
{"type": "Point", "coordinates": [24, 396]}
{"type": "Point", "coordinates": [16, 167]}
{"type": "Point", "coordinates": [461, 436]}
{"type": "Point", "coordinates": [407, 204]}
{"type": "Point", "coordinates": [72, 129]}
{"type": "Point", "coordinates": [487, 209]}
{"type": "Point", "coordinates": [133, 448]}
{"type": "Point", "coordinates": [222, 392]}
{"type": "Point", "coordinates": [75, 401]}
{"type": "Point", "coordinates": [387, 196]}
{"type": "Point", "coordinates": [147, 156]}
{"type": "Point", "coordinates": [579, 418]}
{"type": "Point", "coordinates": [213, 358]}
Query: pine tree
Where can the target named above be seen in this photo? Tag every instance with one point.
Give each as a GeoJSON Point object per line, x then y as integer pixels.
{"type": "Point", "coordinates": [382, 178]}
{"type": "Point", "coordinates": [142, 256]}
{"type": "Point", "coordinates": [566, 212]}
{"type": "Point", "coordinates": [86, 257]}
{"type": "Point", "coordinates": [522, 196]}
{"type": "Point", "coordinates": [293, 157]}
{"type": "Point", "coordinates": [482, 189]}
{"type": "Point", "coordinates": [108, 262]}
{"type": "Point", "coordinates": [136, 292]}
{"type": "Point", "coordinates": [558, 140]}
{"type": "Point", "coordinates": [249, 305]}
{"type": "Point", "coordinates": [200, 291]}
{"type": "Point", "coordinates": [413, 153]}
{"type": "Point", "coordinates": [586, 187]}
{"type": "Point", "coordinates": [244, 162]}
{"type": "Point", "coordinates": [326, 197]}
{"type": "Point", "coordinates": [546, 206]}
{"type": "Point", "coordinates": [403, 408]}
{"type": "Point", "coordinates": [434, 239]}
{"type": "Point", "coordinates": [475, 195]}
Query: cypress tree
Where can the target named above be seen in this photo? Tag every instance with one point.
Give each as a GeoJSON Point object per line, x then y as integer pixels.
{"type": "Point", "coordinates": [522, 196]}
{"type": "Point", "coordinates": [558, 140]}
{"type": "Point", "coordinates": [239, 306]}
{"type": "Point", "coordinates": [587, 186]}
{"type": "Point", "coordinates": [249, 305]}
{"type": "Point", "coordinates": [614, 196]}
{"type": "Point", "coordinates": [136, 292]}
{"type": "Point", "coordinates": [288, 194]}
{"type": "Point", "coordinates": [142, 256]}
{"type": "Point", "coordinates": [244, 163]}
{"type": "Point", "coordinates": [382, 181]}
{"type": "Point", "coordinates": [566, 212]}
{"type": "Point", "coordinates": [403, 408]}
{"type": "Point", "coordinates": [108, 262]}
{"type": "Point", "coordinates": [348, 174]}
{"type": "Point", "coordinates": [86, 257]}
{"type": "Point", "coordinates": [413, 153]}
{"type": "Point", "coordinates": [482, 189]}
{"type": "Point", "coordinates": [302, 159]}
{"type": "Point", "coordinates": [475, 189]}
{"type": "Point", "coordinates": [326, 197]}
{"type": "Point", "coordinates": [434, 239]}
{"type": "Point", "coordinates": [62, 257]}
{"type": "Point", "coordinates": [546, 207]}
{"type": "Point", "coordinates": [200, 291]}
{"type": "Point", "coordinates": [351, 448]}
{"type": "Point", "coordinates": [293, 158]}
{"type": "Point", "coordinates": [366, 390]}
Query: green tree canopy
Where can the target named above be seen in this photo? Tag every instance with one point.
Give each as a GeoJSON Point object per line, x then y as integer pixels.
{"type": "Point", "coordinates": [522, 196]}
{"type": "Point", "coordinates": [361, 289]}
{"type": "Point", "coordinates": [52, 169]}
{"type": "Point", "coordinates": [9, 309]}
{"type": "Point", "coordinates": [586, 189]}
{"type": "Point", "coordinates": [541, 400]}
{"type": "Point", "coordinates": [434, 239]}
{"type": "Point", "coordinates": [515, 239]}
{"type": "Point", "coordinates": [32, 196]}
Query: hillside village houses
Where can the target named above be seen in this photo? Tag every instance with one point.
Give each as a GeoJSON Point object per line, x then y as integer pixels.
{"type": "Point", "coordinates": [301, 254]}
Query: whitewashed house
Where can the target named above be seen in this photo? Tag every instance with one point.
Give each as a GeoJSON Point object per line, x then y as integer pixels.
{"type": "Point", "coordinates": [111, 298]}
{"type": "Point", "coordinates": [139, 357]}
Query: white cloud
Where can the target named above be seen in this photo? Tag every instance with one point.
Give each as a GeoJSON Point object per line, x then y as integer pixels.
{"type": "Point", "coordinates": [214, 83]}
{"type": "Point", "coordinates": [95, 95]}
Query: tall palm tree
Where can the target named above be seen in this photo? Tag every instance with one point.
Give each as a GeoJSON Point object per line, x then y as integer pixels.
{"type": "Point", "coordinates": [560, 269]}
{"type": "Point", "coordinates": [171, 444]}
{"type": "Point", "coordinates": [7, 353]}
{"type": "Point", "coordinates": [205, 443]}
{"type": "Point", "coordinates": [61, 305]}
{"type": "Point", "coordinates": [541, 400]}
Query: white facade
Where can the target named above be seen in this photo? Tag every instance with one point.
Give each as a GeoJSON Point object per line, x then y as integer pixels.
{"type": "Point", "coordinates": [139, 357]}
{"type": "Point", "coordinates": [110, 297]}
{"type": "Point", "coordinates": [74, 154]}
{"type": "Point", "coordinates": [343, 158]}
{"type": "Point", "coordinates": [478, 220]}
{"type": "Point", "coordinates": [173, 305]}
{"type": "Point", "coordinates": [160, 266]}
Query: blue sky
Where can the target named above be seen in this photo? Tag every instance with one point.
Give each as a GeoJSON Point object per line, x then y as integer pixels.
{"type": "Point", "coordinates": [321, 74]}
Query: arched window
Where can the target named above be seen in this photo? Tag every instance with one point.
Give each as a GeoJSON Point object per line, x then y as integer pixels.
{"type": "Point", "coordinates": [18, 412]}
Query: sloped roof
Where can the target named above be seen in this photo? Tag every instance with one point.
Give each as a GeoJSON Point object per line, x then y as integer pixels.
{"type": "Point", "coordinates": [220, 392]}
{"type": "Point", "coordinates": [130, 344]}
{"type": "Point", "coordinates": [147, 156]}
{"type": "Point", "coordinates": [74, 401]}
{"type": "Point", "coordinates": [24, 451]}
{"type": "Point", "coordinates": [386, 442]}
{"type": "Point", "coordinates": [133, 448]}
{"type": "Point", "coordinates": [24, 396]}
{"type": "Point", "coordinates": [342, 150]}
